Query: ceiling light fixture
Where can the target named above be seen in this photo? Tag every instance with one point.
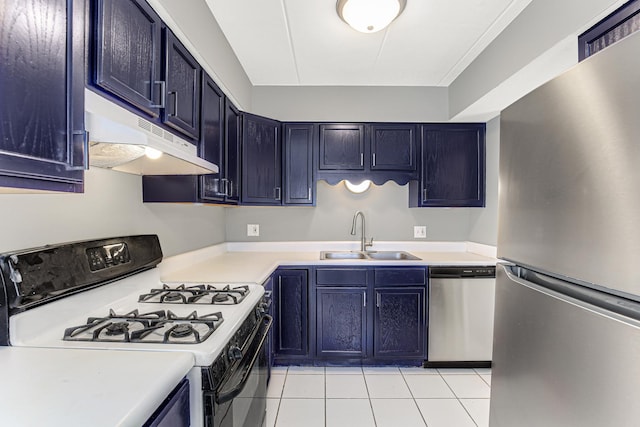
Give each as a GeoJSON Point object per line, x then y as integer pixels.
{"type": "Point", "coordinates": [369, 16]}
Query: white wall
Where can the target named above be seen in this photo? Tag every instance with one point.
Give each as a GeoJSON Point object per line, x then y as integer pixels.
{"type": "Point", "coordinates": [483, 227]}
{"type": "Point", "coordinates": [541, 26]}
{"type": "Point", "coordinates": [385, 207]}
{"type": "Point", "coordinates": [110, 206]}
{"type": "Point", "coordinates": [194, 24]}
{"type": "Point", "coordinates": [358, 104]}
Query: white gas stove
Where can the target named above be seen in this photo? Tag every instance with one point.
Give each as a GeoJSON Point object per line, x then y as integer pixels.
{"type": "Point", "coordinates": [108, 295]}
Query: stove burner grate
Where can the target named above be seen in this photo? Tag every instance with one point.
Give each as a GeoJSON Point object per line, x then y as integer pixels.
{"type": "Point", "coordinates": [154, 327]}
{"type": "Point", "coordinates": [196, 294]}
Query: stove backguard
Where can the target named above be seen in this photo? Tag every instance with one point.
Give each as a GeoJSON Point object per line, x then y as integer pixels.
{"type": "Point", "coordinates": [36, 276]}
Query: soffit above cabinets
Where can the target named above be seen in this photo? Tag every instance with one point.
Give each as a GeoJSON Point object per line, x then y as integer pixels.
{"type": "Point", "coordinates": [305, 43]}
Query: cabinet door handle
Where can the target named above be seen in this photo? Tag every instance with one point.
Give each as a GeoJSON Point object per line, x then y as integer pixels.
{"type": "Point", "coordinates": [424, 195]}
{"type": "Point", "coordinates": [373, 161]}
{"type": "Point", "coordinates": [364, 298]}
{"type": "Point", "coordinates": [224, 182]}
{"type": "Point", "coordinates": [229, 189]}
{"type": "Point", "coordinates": [309, 194]}
{"type": "Point", "coordinates": [361, 159]}
{"type": "Point", "coordinates": [277, 193]}
{"type": "Point", "coordinates": [175, 104]}
{"type": "Point", "coordinates": [378, 303]}
{"type": "Point", "coordinates": [163, 94]}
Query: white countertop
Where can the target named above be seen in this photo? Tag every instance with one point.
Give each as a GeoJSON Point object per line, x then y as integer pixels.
{"type": "Point", "coordinates": [65, 387]}
{"type": "Point", "coordinates": [247, 263]}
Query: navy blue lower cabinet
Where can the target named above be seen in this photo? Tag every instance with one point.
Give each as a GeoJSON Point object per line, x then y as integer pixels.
{"type": "Point", "coordinates": [341, 329]}
{"type": "Point", "coordinates": [291, 299]}
{"type": "Point", "coordinates": [399, 330]}
{"type": "Point", "coordinates": [370, 315]}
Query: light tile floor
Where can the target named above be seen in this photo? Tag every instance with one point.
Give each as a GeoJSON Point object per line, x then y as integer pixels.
{"type": "Point", "coordinates": [378, 397]}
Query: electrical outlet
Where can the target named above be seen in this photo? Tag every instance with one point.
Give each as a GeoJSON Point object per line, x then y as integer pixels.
{"type": "Point", "coordinates": [419, 232]}
{"type": "Point", "coordinates": [253, 230]}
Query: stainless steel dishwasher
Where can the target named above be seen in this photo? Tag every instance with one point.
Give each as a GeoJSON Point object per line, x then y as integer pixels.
{"type": "Point", "coordinates": [461, 305]}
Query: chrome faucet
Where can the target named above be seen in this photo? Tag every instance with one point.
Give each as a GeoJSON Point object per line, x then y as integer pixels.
{"type": "Point", "coordinates": [363, 241]}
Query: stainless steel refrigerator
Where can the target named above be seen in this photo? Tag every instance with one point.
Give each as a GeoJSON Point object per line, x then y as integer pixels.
{"type": "Point", "coordinates": [567, 321]}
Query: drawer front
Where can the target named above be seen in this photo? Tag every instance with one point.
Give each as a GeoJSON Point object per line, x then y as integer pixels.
{"type": "Point", "coordinates": [400, 276]}
{"type": "Point", "coordinates": [341, 276]}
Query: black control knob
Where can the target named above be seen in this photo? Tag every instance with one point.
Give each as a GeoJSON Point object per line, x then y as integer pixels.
{"type": "Point", "coordinates": [235, 353]}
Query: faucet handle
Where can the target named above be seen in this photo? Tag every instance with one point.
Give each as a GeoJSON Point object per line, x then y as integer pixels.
{"type": "Point", "coordinates": [366, 244]}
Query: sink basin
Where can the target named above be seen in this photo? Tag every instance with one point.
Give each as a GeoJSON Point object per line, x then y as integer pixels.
{"type": "Point", "coordinates": [370, 255]}
{"type": "Point", "coordinates": [342, 255]}
{"type": "Point", "coordinates": [391, 255]}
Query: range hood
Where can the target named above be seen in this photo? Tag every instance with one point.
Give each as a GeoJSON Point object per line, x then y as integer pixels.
{"type": "Point", "coordinates": [123, 141]}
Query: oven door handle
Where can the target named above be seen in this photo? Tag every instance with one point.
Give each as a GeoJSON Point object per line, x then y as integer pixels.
{"type": "Point", "coordinates": [235, 391]}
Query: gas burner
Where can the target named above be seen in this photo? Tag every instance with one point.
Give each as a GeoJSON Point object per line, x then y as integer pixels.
{"type": "Point", "coordinates": [220, 298]}
{"type": "Point", "coordinates": [181, 330]}
{"type": "Point", "coordinates": [196, 294]}
{"type": "Point", "coordinates": [154, 327]}
{"type": "Point", "coordinates": [117, 328]}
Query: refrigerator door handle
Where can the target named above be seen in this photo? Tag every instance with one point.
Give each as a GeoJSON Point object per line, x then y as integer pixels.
{"type": "Point", "coordinates": [581, 296]}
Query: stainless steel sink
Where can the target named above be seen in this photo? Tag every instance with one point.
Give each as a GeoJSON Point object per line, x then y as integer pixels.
{"type": "Point", "coordinates": [342, 255]}
{"type": "Point", "coordinates": [369, 255]}
{"type": "Point", "coordinates": [391, 255]}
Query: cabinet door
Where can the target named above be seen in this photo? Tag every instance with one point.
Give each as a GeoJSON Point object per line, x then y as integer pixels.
{"type": "Point", "coordinates": [42, 92]}
{"type": "Point", "coordinates": [452, 165]}
{"type": "Point", "coordinates": [261, 161]}
{"type": "Point", "coordinates": [342, 147]}
{"type": "Point", "coordinates": [212, 139]}
{"type": "Point", "coordinates": [393, 147]}
{"type": "Point", "coordinates": [232, 138]}
{"type": "Point", "coordinates": [298, 164]}
{"type": "Point", "coordinates": [182, 97]}
{"type": "Point", "coordinates": [291, 299]}
{"type": "Point", "coordinates": [341, 330]}
{"type": "Point", "coordinates": [127, 52]}
{"type": "Point", "coordinates": [399, 322]}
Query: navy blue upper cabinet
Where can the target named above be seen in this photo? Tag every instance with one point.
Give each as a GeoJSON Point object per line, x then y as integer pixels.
{"type": "Point", "coordinates": [378, 151]}
{"type": "Point", "coordinates": [261, 161]}
{"type": "Point", "coordinates": [452, 173]}
{"type": "Point", "coordinates": [291, 298]}
{"type": "Point", "coordinates": [623, 22]}
{"type": "Point", "coordinates": [41, 86]}
{"type": "Point", "coordinates": [212, 141]}
{"type": "Point", "coordinates": [393, 147]}
{"type": "Point", "coordinates": [233, 143]}
{"type": "Point", "coordinates": [342, 147]}
{"type": "Point", "coordinates": [223, 187]}
{"type": "Point", "coordinates": [128, 41]}
{"type": "Point", "coordinates": [299, 185]}
{"type": "Point", "coordinates": [182, 91]}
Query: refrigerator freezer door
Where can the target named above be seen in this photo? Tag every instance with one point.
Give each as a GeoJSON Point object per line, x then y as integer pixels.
{"type": "Point", "coordinates": [560, 362]}
{"type": "Point", "coordinates": [569, 173]}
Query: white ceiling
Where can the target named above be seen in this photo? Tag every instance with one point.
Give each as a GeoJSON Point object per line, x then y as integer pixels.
{"type": "Point", "coordinates": [304, 42]}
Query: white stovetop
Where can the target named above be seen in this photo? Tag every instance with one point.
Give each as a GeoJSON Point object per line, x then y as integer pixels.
{"type": "Point", "coordinates": [44, 326]}
{"type": "Point", "coordinates": [45, 387]}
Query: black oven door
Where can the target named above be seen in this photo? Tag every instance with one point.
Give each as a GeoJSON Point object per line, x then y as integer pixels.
{"type": "Point", "coordinates": [240, 401]}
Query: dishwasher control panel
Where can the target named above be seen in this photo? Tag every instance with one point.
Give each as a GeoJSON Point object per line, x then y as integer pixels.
{"type": "Point", "coordinates": [453, 272]}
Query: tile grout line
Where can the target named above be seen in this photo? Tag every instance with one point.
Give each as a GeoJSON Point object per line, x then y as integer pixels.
{"type": "Point", "coordinates": [458, 398]}
{"type": "Point", "coordinates": [366, 386]}
{"type": "Point", "coordinates": [413, 398]}
{"type": "Point", "coordinates": [275, 420]}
